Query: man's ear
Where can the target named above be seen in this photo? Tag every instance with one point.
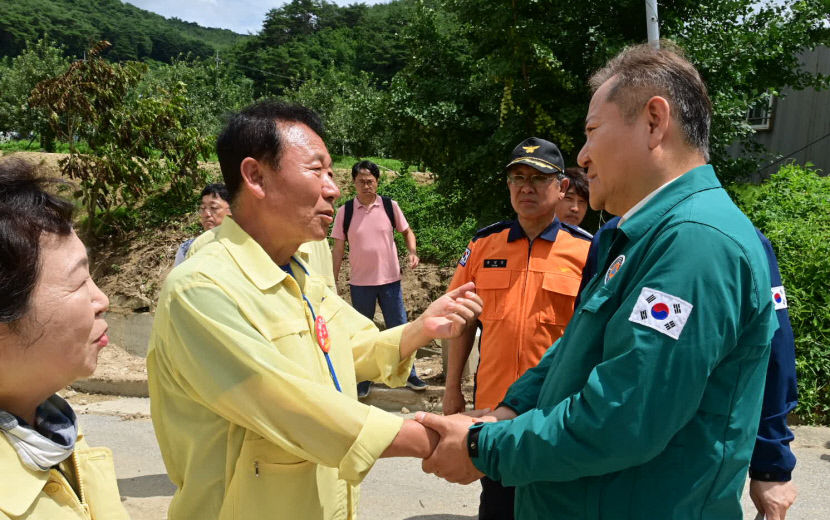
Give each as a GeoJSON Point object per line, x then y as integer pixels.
{"type": "Point", "coordinates": [253, 177]}
{"type": "Point", "coordinates": [658, 114]}
{"type": "Point", "coordinates": [563, 187]}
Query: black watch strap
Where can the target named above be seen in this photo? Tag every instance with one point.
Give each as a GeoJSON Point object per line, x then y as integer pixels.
{"type": "Point", "coordinates": [472, 440]}
{"type": "Point", "coordinates": [770, 476]}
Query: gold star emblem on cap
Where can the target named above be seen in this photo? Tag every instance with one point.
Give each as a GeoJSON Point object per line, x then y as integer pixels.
{"type": "Point", "coordinates": [530, 149]}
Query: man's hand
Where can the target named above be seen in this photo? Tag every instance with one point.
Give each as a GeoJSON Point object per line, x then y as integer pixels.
{"type": "Point", "coordinates": [453, 401]}
{"type": "Point", "coordinates": [446, 317]}
{"type": "Point", "coordinates": [450, 460]}
{"type": "Point", "coordinates": [771, 499]}
{"type": "Point", "coordinates": [451, 314]}
{"type": "Point", "coordinates": [413, 260]}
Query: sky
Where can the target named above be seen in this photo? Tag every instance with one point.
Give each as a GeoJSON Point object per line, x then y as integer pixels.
{"type": "Point", "coordinates": [242, 16]}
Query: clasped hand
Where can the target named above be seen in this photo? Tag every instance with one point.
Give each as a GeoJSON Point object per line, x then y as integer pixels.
{"type": "Point", "coordinates": [450, 459]}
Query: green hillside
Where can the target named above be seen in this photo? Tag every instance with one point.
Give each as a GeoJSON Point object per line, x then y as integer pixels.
{"type": "Point", "coordinates": [135, 34]}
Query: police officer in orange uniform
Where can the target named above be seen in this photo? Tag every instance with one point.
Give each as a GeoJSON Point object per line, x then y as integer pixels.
{"type": "Point", "coordinates": [528, 272]}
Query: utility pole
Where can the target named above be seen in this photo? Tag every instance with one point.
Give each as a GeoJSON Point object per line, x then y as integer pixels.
{"type": "Point", "coordinates": [217, 69]}
{"type": "Point", "coordinates": [652, 24]}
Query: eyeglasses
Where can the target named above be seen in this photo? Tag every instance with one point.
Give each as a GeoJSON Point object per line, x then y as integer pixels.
{"type": "Point", "coordinates": [366, 182]}
{"type": "Point", "coordinates": [213, 210]}
{"type": "Point", "coordinates": [537, 181]}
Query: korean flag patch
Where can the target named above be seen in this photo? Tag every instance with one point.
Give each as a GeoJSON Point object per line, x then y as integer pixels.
{"type": "Point", "coordinates": [779, 298]}
{"type": "Point", "coordinates": [661, 311]}
{"type": "Point", "coordinates": [464, 258]}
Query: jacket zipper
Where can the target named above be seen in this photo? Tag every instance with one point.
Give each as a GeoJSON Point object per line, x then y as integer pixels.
{"type": "Point", "coordinates": [77, 466]}
{"type": "Point", "coordinates": [523, 310]}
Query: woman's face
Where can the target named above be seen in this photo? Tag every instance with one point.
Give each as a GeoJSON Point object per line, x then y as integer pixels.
{"type": "Point", "coordinates": [64, 329]}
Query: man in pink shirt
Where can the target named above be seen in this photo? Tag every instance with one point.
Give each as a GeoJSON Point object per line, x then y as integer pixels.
{"type": "Point", "coordinates": [368, 222]}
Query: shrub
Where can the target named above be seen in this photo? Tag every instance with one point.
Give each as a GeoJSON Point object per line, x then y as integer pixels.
{"type": "Point", "coordinates": [442, 236]}
{"type": "Point", "coordinates": [792, 209]}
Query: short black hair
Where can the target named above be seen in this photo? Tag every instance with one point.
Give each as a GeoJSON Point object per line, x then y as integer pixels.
{"type": "Point", "coordinates": [578, 179]}
{"type": "Point", "coordinates": [253, 132]}
{"type": "Point", "coordinates": [369, 166]}
{"type": "Point", "coordinates": [218, 189]}
{"type": "Point", "coordinates": [27, 211]}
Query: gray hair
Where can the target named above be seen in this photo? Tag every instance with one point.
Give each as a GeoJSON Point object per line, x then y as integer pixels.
{"type": "Point", "coordinates": [641, 72]}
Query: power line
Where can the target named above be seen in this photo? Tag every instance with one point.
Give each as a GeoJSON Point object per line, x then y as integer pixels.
{"type": "Point", "coordinates": [789, 155]}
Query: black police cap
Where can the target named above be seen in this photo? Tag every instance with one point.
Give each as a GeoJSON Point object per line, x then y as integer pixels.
{"type": "Point", "coordinates": [539, 154]}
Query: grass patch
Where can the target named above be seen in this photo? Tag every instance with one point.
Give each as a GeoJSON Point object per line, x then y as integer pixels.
{"type": "Point", "coordinates": [347, 161]}
{"type": "Point", "coordinates": [27, 145]}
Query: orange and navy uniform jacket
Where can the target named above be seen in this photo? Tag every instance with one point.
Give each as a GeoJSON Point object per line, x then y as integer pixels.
{"type": "Point", "coordinates": [528, 290]}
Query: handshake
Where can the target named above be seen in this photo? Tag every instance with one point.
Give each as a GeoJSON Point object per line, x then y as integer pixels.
{"type": "Point", "coordinates": [442, 442]}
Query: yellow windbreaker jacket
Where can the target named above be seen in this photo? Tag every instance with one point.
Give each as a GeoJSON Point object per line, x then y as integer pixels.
{"type": "Point", "coordinates": [316, 255]}
{"type": "Point", "coordinates": [49, 495]}
{"type": "Point", "coordinates": [247, 416]}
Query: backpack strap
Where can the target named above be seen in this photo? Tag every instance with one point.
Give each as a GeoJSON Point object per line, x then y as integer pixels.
{"type": "Point", "coordinates": [349, 212]}
{"type": "Point", "coordinates": [347, 217]}
{"type": "Point", "coordinates": [390, 211]}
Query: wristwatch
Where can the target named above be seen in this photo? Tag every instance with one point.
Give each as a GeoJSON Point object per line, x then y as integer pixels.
{"type": "Point", "coordinates": [472, 440]}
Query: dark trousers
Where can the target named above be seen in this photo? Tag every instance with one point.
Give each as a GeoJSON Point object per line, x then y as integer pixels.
{"type": "Point", "coordinates": [390, 298]}
{"type": "Point", "coordinates": [496, 501]}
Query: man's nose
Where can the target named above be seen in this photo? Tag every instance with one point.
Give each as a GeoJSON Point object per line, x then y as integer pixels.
{"type": "Point", "coordinates": [582, 159]}
{"type": "Point", "coordinates": [330, 188]}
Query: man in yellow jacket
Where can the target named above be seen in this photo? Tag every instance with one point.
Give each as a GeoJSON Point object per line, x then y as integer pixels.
{"type": "Point", "coordinates": [253, 360]}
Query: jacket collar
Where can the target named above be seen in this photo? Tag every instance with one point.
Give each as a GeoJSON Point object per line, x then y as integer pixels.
{"type": "Point", "coordinates": [516, 232]}
{"type": "Point", "coordinates": [251, 258]}
{"type": "Point", "coordinates": [693, 181]}
{"type": "Point", "coordinates": [21, 485]}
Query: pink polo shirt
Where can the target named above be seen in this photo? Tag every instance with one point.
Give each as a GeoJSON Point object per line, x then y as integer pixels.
{"type": "Point", "coordinates": [373, 256]}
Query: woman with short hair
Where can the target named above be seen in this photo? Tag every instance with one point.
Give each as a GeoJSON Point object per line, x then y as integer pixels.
{"type": "Point", "coordinates": [51, 331]}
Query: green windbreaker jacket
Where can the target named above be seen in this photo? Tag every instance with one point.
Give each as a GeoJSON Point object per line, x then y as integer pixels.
{"type": "Point", "coordinates": [647, 407]}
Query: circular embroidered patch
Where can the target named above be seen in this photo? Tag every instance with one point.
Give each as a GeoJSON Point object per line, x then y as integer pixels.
{"type": "Point", "coordinates": [614, 268]}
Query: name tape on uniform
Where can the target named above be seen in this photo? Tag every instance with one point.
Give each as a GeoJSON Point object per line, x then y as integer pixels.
{"type": "Point", "coordinates": [495, 262]}
{"type": "Point", "coordinates": [661, 311]}
{"type": "Point", "coordinates": [779, 298]}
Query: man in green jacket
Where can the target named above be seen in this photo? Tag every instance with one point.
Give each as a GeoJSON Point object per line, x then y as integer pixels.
{"type": "Point", "coordinates": [647, 407]}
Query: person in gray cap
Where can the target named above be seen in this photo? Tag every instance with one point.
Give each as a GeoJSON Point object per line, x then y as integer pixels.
{"type": "Point", "coordinates": [528, 272]}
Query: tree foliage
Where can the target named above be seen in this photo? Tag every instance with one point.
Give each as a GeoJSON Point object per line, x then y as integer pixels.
{"type": "Point", "coordinates": [40, 60]}
{"type": "Point", "coordinates": [351, 109]}
{"type": "Point", "coordinates": [212, 90]}
{"type": "Point", "coordinates": [134, 146]}
{"type": "Point", "coordinates": [304, 38]}
{"type": "Point", "coordinates": [134, 33]}
{"type": "Point", "coordinates": [482, 75]}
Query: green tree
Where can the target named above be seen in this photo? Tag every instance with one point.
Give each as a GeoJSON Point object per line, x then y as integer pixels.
{"type": "Point", "coordinates": [134, 146]}
{"type": "Point", "coordinates": [352, 109]}
{"type": "Point", "coordinates": [135, 33]}
{"type": "Point", "coordinates": [40, 60]}
{"type": "Point", "coordinates": [304, 38]}
{"type": "Point", "coordinates": [482, 75]}
{"type": "Point", "coordinates": [213, 89]}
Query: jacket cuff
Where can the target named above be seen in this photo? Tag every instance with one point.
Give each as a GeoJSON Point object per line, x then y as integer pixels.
{"type": "Point", "coordinates": [378, 432]}
{"type": "Point", "coordinates": [485, 459]}
{"type": "Point", "coordinates": [512, 407]}
{"type": "Point", "coordinates": [770, 476]}
{"type": "Point", "coordinates": [394, 371]}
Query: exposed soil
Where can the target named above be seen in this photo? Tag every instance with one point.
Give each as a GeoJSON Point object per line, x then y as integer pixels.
{"type": "Point", "coordinates": [131, 269]}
